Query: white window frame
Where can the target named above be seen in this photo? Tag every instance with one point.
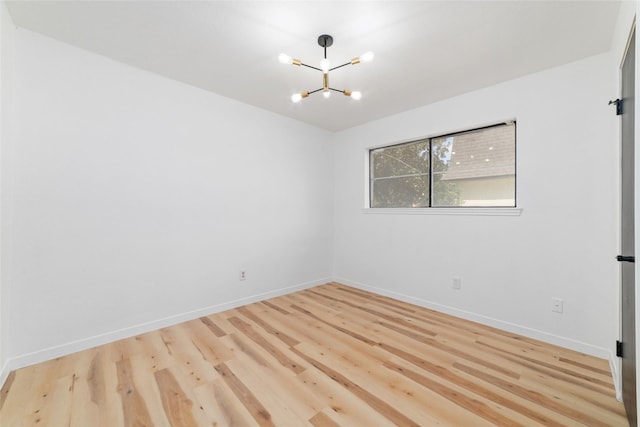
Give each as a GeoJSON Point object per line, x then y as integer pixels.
{"type": "Point", "coordinates": [434, 210]}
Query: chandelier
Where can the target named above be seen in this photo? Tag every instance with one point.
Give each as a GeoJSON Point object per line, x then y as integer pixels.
{"type": "Point", "coordinates": [325, 41]}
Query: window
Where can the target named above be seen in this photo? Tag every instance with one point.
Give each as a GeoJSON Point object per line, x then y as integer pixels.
{"type": "Point", "coordinates": [476, 168]}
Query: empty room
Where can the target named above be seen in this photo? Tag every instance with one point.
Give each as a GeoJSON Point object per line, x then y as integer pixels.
{"type": "Point", "coordinates": [390, 213]}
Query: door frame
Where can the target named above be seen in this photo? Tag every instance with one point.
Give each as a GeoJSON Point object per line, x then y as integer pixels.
{"type": "Point", "coordinates": [634, 304]}
{"type": "Point", "coordinates": [637, 201]}
{"type": "Point", "coordinates": [618, 364]}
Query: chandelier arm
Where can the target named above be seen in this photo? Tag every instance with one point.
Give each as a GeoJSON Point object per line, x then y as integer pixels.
{"type": "Point", "coordinates": [337, 90]}
{"type": "Point", "coordinates": [339, 66]}
{"type": "Point", "coordinates": [314, 91]}
{"type": "Point", "coordinates": [311, 66]}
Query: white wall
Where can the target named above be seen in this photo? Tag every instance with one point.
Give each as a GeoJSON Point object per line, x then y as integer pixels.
{"type": "Point", "coordinates": [563, 244]}
{"type": "Point", "coordinates": [7, 30]}
{"type": "Point", "coordinates": [137, 199]}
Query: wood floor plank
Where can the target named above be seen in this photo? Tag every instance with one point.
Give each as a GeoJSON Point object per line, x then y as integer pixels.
{"type": "Point", "coordinates": [291, 394]}
{"type": "Point", "coordinates": [274, 397]}
{"type": "Point", "coordinates": [212, 350]}
{"type": "Point", "coordinates": [450, 377]}
{"type": "Point", "coordinates": [107, 398]}
{"type": "Point", "coordinates": [177, 406]}
{"type": "Point", "coordinates": [272, 304]}
{"type": "Point", "coordinates": [381, 315]}
{"type": "Point", "coordinates": [134, 407]}
{"type": "Point", "coordinates": [246, 397]}
{"type": "Point", "coordinates": [255, 318]}
{"type": "Point", "coordinates": [29, 395]}
{"type": "Point", "coordinates": [248, 330]}
{"type": "Point", "coordinates": [594, 383]}
{"type": "Point", "coordinates": [460, 399]}
{"type": "Point", "coordinates": [535, 397]}
{"type": "Point", "coordinates": [221, 407]}
{"type": "Point", "coordinates": [345, 331]}
{"type": "Point", "coordinates": [187, 356]}
{"type": "Point", "coordinates": [601, 408]}
{"type": "Point", "coordinates": [156, 354]}
{"type": "Point", "coordinates": [217, 331]}
{"type": "Point", "coordinates": [83, 410]}
{"type": "Point", "coordinates": [321, 419]}
{"type": "Point", "coordinates": [329, 356]}
{"type": "Point", "coordinates": [342, 405]}
{"type": "Point", "coordinates": [376, 403]}
{"type": "Point", "coordinates": [406, 396]}
{"type": "Point", "coordinates": [59, 398]}
{"type": "Point", "coordinates": [238, 343]}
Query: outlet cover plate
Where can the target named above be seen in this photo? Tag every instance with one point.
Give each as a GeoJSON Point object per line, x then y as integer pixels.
{"type": "Point", "coordinates": [557, 305]}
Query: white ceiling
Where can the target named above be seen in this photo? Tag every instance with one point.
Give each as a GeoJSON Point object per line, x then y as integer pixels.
{"type": "Point", "coordinates": [425, 50]}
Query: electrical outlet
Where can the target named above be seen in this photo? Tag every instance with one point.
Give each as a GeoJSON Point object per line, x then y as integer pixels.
{"type": "Point", "coordinates": [243, 275]}
{"type": "Point", "coordinates": [557, 305]}
{"type": "Point", "coordinates": [456, 283]}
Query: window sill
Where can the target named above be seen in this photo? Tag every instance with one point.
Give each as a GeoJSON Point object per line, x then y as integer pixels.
{"type": "Point", "coordinates": [446, 211]}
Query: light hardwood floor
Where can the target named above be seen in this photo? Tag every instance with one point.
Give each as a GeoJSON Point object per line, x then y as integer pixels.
{"type": "Point", "coordinates": [327, 356]}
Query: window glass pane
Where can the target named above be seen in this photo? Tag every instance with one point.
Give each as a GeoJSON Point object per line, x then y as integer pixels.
{"type": "Point", "coordinates": [475, 168]}
{"type": "Point", "coordinates": [400, 160]}
{"type": "Point", "coordinates": [400, 176]}
{"type": "Point", "coordinates": [403, 192]}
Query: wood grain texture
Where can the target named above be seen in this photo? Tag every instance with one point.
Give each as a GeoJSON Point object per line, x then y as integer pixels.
{"type": "Point", "coordinates": [327, 356]}
{"type": "Point", "coordinates": [177, 406]}
{"type": "Point", "coordinates": [134, 406]}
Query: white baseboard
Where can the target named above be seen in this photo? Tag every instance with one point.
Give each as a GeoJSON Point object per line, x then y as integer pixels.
{"type": "Point", "coordinates": [90, 342]}
{"type": "Point", "coordinates": [569, 343]}
{"type": "Point", "coordinates": [4, 373]}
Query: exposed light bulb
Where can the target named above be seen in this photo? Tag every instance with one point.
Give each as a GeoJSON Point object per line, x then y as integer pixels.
{"type": "Point", "coordinates": [297, 97]}
{"type": "Point", "coordinates": [366, 57]}
{"type": "Point", "coordinates": [285, 59]}
{"type": "Point", "coordinates": [356, 95]}
{"type": "Point", "coordinates": [326, 94]}
{"type": "Point", "coordinates": [325, 65]}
